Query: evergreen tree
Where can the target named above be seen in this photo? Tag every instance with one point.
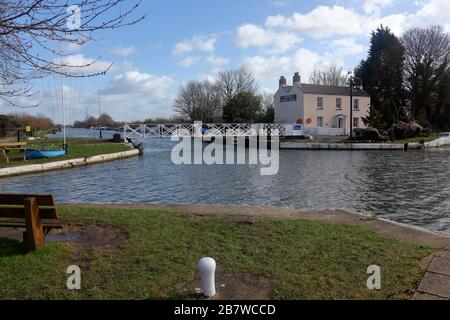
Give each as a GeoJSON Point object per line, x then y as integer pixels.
{"type": "Point", "coordinates": [243, 108]}
{"type": "Point", "coordinates": [382, 76]}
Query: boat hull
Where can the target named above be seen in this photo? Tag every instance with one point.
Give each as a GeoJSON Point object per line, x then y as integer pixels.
{"type": "Point", "coordinates": [43, 154]}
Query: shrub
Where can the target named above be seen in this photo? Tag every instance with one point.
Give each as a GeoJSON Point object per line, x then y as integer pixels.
{"type": "Point", "coordinates": [372, 134]}
{"type": "Point", "coordinates": [357, 133]}
{"type": "Point", "coordinates": [404, 130]}
{"type": "Point", "coordinates": [427, 132]}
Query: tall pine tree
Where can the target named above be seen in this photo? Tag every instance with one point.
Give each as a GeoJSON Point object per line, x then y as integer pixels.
{"type": "Point", "coordinates": [382, 77]}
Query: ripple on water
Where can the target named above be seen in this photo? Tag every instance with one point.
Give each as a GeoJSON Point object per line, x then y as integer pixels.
{"type": "Point", "coordinates": [412, 187]}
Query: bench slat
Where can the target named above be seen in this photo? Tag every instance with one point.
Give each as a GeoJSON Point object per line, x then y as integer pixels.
{"type": "Point", "coordinates": [19, 199]}
{"type": "Point", "coordinates": [19, 212]}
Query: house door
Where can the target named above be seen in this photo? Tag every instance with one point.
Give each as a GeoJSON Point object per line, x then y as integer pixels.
{"type": "Point", "coordinates": [340, 123]}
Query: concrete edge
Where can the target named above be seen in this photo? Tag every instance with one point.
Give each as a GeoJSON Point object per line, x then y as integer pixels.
{"type": "Point", "coordinates": [367, 215]}
{"type": "Point", "coordinates": [341, 146]}
{"type": "Point", "coordinates": [66, 164]}
{"type": "Point", "coordinates": [438, 143]}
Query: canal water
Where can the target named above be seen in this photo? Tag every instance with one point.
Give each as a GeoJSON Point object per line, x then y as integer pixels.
{"type": "Point", "coordinates": [411, 187]}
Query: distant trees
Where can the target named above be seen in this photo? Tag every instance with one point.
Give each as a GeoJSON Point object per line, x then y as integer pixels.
{"type": "Point", "coordinates": [213, 101]}
{"type": "Point", "coordinates": [198, 101]}
{"type": "Point", "coordinates": [105, 120]}
{"type": "Point", "coordinates": [427, 75]}
{"type": "Point", "coordinates": [382, 76]}
{"type": "Point", "coordinates": [161, 120]}
{"type": "Point", "coordinates": [230, 83]}
{"type": "Point", "coordinates": [245, 107]}
{"type": "Point", "coordinates": [268, 109]}
{"type": "Point", "coordinates": [10, 124]}
{"type": "Point", "coordinates": [331, 75]}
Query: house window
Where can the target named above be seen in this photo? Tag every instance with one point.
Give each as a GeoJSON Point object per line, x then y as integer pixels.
{"type": "Point", "coordinates": [338, 103]}
{"type": "Point", "coordinates": [356, 122]}
{"type": "Point", "coordinates": [356, 104]}
{"type": "Point", "coordinates": [320, 103]}
{"type": "Point", "coordinates": [319, 122]}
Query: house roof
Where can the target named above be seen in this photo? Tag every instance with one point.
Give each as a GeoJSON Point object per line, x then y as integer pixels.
{"type": "Point", "coordinates": [330, 90]}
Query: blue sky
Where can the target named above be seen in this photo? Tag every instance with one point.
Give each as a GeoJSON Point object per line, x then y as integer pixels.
{"type": "Point", "coordinates": [183, 40]}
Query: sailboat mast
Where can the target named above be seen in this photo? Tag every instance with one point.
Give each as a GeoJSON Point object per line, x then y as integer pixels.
{"type": "Point", "coordinates": [62, 99]}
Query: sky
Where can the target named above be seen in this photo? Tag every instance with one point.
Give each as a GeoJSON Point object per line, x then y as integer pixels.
{"type": "Point", "coordinates": [191, 40]}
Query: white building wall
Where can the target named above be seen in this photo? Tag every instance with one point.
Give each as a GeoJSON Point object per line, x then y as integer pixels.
{"type": "Point", "coordinates": [289, 112]}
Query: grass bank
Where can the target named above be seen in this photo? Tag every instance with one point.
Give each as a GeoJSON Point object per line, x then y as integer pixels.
{"type": "Point", "coordinates": [301, 259]}
{"type": "Point", "coordinates": [417, 139]}
{"type": "Point", "coordinates": [78, 148]}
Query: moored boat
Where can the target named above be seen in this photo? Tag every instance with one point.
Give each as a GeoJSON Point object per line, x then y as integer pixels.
{"type": "Point", "coordinates": [31, 154]}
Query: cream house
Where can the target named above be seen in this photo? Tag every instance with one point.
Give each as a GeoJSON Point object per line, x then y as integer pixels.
{"type": "Point", "coordinates": [325, 109]}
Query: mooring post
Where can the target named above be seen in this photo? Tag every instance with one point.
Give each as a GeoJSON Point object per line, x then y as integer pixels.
{"type": "Point", "coordinates": [207, 268]}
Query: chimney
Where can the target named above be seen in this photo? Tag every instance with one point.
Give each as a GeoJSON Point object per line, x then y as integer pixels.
{"type": "Point", "coordinates": [282, 81]}
{"type": "Point", "coordinates": [297, 79]}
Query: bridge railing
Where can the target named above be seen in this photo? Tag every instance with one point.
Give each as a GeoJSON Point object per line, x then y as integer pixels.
{"type": "Point", "coordinates": [143, 131]}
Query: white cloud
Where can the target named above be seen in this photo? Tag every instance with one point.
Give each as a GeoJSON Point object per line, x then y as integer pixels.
{"type": "Point", "coordinates": [325, 21]}
{"type": "Point", "coordinates": [79, 65]}
{"type": "Point", "coordinates": [270, 68]}
{"type": "Point", "coordinates": [373, 6]}
{"type": "Point", "coordinates": [250, 35]}
{"type": "Point", "coordinates": [125, 51]}
{"type": "Point", "coordinates": [204, 44]}
{"type": "Point", "coordinates": [135, 82]}
{"type": "Point", "coordinates": [129, 108]}
{"type": "Point", "coordinates": [436, 10]}
{"type": "Point", "coordinates": [188, 62]}
{"type": "Point", "coordinates": [72, 47]}
{"type": "Point", "coordinates": [321, 22]}
{"type": "Point", "coordinates": [346, 47]}
{"type": "Point", "coordinates": [398, 23]}
{"type": "Point", "coordinates": [135, 95]}
{"type": "Point", "coordinates": [215, 61]}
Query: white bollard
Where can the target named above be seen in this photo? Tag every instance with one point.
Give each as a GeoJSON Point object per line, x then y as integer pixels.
{"type": "Point", "coordinates": [207, 268]}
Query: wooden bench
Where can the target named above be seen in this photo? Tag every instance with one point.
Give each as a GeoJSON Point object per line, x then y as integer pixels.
{"type": "Point", "coordinates": [8, 147]}
{"type": "Point", "coordinates": [35, 213]}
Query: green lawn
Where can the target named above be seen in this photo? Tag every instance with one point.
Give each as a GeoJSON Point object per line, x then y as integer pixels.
{"type": "Point", "coordinates": [417, 139]}
{"type": "Point", "coordinates": [77, 149]}
{"type": "Point", "coordinates": [305, 260]}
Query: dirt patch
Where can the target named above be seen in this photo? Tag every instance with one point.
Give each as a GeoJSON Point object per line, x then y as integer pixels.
{"type": "Point", "coordinates": [90, 236]}
{"type": "Point", "coordinates": [234, 286]}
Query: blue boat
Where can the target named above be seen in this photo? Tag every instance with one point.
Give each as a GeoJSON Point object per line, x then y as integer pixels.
{"type": "Point", "coordinates": [31, 154]}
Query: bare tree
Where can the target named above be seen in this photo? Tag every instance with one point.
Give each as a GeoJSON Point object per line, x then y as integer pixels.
{"type": "Point", "coordinates": [267, 100]}
{"type": "Point", "coordinates": [198, 101]}
{"type": "Point", "coordinates": [267, 105]}
{"type": "Point", "coordinates": [427, 71]}
{"type": "Point", "coordinates": [32, 33]}
{"type": "Point", "coordinates": [329, 76]}
{"type": "Point", "coordinates": [230, 83]}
